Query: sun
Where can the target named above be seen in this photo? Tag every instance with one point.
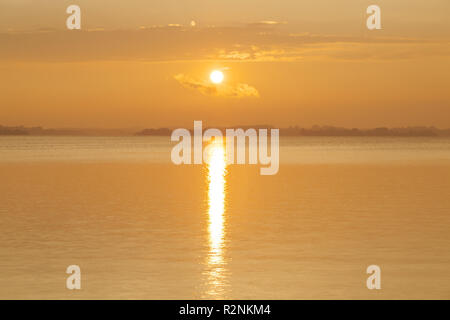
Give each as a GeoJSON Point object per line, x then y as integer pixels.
{"type": "Point", "coordinates": [216, 76]}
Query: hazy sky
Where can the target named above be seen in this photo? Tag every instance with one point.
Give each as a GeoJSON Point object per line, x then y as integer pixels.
{"type": "Point", "coordinates": [140, 63]}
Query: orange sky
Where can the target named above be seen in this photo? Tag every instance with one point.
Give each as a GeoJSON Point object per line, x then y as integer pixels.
{"type": "Point", "coordinates": [314, 63]}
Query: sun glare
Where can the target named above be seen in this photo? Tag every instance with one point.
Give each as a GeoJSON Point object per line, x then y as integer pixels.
{"type": "Point", "coordinates": [216, 76]}
{"type": "Point", "coordinates": [216, 200]}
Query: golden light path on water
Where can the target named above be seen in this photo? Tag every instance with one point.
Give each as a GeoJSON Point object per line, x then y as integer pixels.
{"type": "Point", "coordinates": [216, 210]}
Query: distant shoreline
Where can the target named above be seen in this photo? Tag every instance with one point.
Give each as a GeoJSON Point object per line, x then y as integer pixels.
{"type": "Point", "coordinates": [315, 131]}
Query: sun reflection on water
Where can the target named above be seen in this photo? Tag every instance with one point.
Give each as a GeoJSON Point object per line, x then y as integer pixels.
{"type": "Point", "coordinates": [216, 203]}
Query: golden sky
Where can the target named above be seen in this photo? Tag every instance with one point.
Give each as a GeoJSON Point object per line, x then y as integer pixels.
{"type": "Point", "coordinates": [140, 63]}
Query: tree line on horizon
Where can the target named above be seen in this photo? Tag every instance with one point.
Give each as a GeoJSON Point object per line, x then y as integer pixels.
{"type": "Point", "coordinates": [416, 131]}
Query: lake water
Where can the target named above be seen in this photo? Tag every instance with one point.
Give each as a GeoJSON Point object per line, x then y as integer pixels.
{"type": "Point", "coordinates": [141, 227]}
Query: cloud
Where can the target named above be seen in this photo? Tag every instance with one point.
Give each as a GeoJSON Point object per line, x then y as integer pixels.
{"type": "Point", "coordinates": [179, 43]}
{"type": "Point", "coordinates": [232, 90]}
{"type": "Point", "coordinates": [267, 23]}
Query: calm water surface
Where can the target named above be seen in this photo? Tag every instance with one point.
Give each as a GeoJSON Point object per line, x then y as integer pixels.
{"type": "Point", "coordinates": [141, 227]}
